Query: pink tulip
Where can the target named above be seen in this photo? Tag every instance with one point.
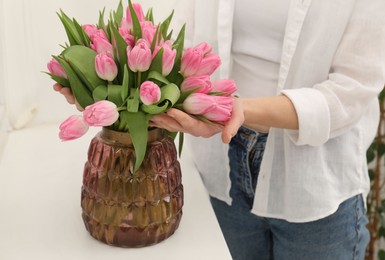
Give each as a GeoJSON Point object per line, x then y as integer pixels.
{"type": "Point", "coordinates": [127, 36]}
{"type": "Point", "coordinates": [209, 64]}
{"type": "Point", "coordinates": [149, 93]}
{"type": "Point", "coordinates": [191, 60]}
{"type": "Point", "coordinates": [90, 29]}
{"type": "Point", "coordinates": [168, 58]}
{"type": "Point", "coordinates": [101, 113]}
{"type": "Point", "coordinates": [73, 128]}
{"type": "Point", "coordinates": [99, 33]}
{"type": "Point", "coordinates": [202, 84]}
{"type": "Point", "coordinates": [56, 69]}
{"type": "Point", "coordinates": [139, 58]}
{"type": "Point", "coordinates": [148, 31]}
{"type": "Point", "coordinates": [105, 66]}
{"type": "Point", "coordinates": [214, 108]}
{"type": "Point", "coordinates": [127, 21]}
{"type": "Point", "coordinates": [101, 44]}
{"type": "Point", "coordinates": [227, 86]}
{"type": "Point", "coordinates": [204, 47]}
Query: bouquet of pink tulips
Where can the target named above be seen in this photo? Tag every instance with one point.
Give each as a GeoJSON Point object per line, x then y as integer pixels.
{"type": "Point", "coordinates": [126, 70]}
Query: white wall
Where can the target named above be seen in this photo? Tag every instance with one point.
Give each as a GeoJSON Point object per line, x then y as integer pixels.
{"type": "Point", "coordinates": [30, 34]}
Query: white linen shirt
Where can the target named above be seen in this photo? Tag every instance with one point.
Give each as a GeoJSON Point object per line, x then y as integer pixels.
{"type": "Point", "coordinates": [332, 69]}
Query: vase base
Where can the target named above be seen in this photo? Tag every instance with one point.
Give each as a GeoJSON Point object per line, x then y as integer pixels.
{"type": "Point", "coordinates": [131, 237]}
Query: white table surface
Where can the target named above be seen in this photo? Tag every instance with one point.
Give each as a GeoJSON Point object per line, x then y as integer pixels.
{"type": "Point", "coordinates": [40, 214]}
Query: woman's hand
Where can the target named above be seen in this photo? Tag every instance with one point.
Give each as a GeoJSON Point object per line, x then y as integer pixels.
{"type": "Point", "coordinates": [66, 92]}
{"type": "Point", "coordinates": [178, 121]}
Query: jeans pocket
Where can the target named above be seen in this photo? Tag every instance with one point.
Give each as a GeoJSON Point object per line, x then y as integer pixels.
{"type": "Point", "coordinates": [245, 154]}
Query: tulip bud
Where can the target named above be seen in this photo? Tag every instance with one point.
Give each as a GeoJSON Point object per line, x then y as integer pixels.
{"type": "Point", "coordinates": [127, 36]}
{"type": "Point", "coordinates": [214, 108]}
{"type": "Point", "coordinates": [168, 58]}
{"type": "Point", "coordinates": [101, 113]}
{"type": "Point", "coordinates": [191, 60]}
{"type": "Point", "coordinates": [56, 69]}
{"type": "Point", "coordinates": [148, 31]}
{"type": "Point", "coordinates": [202, 84]}
{"type": "Point", "coordinates": [127, 21]}
{"type": "Point", "coordinates": [101, 44]}
{"type": "Point", "coordinates": [149, 93]}
{"type": "Point", "coordinates": [227, 86]}
{"type": "Point", "coordinates": [105, 66]}
{"type": "Point", "coordinates": [73, 128]}
{"type": "Point", "coordinates": [90, 29]}
{"type": "Point", "coordinates": [204, 47]}
{"type": "Point", "coordinates": [139, 58]}
{"type": "Point", "coordinates": [209, 64]}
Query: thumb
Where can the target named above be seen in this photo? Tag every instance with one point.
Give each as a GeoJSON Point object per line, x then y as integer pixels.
{"type": "Point", "coordinates": [237, 118]}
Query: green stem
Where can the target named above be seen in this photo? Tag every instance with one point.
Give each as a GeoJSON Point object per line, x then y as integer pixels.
{"type": "Point", "coordinates": [139, 78]}
{"type": "Point", "coordinates": [121, 109]}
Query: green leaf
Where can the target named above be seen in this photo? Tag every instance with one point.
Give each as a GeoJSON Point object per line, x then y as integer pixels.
{"type": "Point", "coordinates": [62, 81]}
{"type": "Point", "coordinates": [124, 118]}
{"type": "Point", "coordinates": [169, 36]}
{"type": "Point", "coordinates": [381, 150]}
{"type": "Point", "coordinates": [175, 76]}
{"type": "Point", "coordinates": [121, 47]}
{"type": "Point", "coordinates": [100, 93]}
{"type": "Point", "coordinates": [156, 64]}
{"type": "Point", "coordinates": [82, 61]}
{"type": "Point", "coordinates": [114, 94]}
{"type": "Point", "coordinates": [158, 77]}
{"type": "Point", "coordinates": [101, 24]}
{"type": "Point", "coordinates": [83, 36]}
{"type": "Point", "coordinates": [79, 90]}
{"type": "Point", "coordinates": [185, 94]}
{"type": "Point", "coordinates": [133, 101]}
{"type": "Point", "coordinates": [381, 255]}
{"type": "Point", "coordinates": [138, 128]}
{"type": "Point", "coordinates": [155, 109]}
{"type": "Point", "coordinates": [371, 174]}
{"type": "Point", "coordinates": [165, 25]}
{"type": "Point", "coordinates": [125, 84]}
{"type": "Point", "coordinates": [181, 141]}
{"type": "Point", "coordinates": [179, 43]}
{"type": "Point", "coordinates": [381, 232]}
{"type": "Point", "coordinates": [156, 39]}
{"type": "Point", "coordinates": [150, 15]}
{"type": "Point", "coordinates": [118, 14]}
{"type": "Point", "coordinates": [135, 22]}
{"type": "Point", "coordinates": [70, 28]}
{"type": "Point", "coordinates": [171, 93]}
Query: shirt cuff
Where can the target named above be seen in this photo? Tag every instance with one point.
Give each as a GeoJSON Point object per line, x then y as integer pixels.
{"type": "Point", "coordinates": [313, 116]}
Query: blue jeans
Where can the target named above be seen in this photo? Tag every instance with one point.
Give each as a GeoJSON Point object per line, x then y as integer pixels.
{"type": "Point", "coordinates": [342, 235]}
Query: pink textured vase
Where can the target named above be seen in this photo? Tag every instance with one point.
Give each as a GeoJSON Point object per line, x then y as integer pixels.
{"type": "Point", "coordinates": [126, 208]}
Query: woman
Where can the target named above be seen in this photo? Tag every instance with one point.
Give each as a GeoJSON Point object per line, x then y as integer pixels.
{"type": "Point", "coordinates": [310, 71]}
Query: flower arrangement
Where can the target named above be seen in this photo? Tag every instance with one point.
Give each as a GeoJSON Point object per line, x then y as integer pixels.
{"type": "Point", "coordinates": [126, 70]}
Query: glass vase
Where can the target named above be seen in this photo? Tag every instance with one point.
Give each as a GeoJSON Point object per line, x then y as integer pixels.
{"type": "Point", "coordinates": [124, 208]}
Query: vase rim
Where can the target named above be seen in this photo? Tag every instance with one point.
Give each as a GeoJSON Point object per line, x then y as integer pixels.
{"type": "Point", "coordinates": [125, 137]}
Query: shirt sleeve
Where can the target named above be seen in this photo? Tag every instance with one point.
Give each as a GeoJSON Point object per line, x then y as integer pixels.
{"type": "Point", "coordinates": [357, 75]}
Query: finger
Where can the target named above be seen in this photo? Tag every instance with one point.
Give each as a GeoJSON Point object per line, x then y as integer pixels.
{"type": "Point", "coordinates": [57, 87]}
{"type": "Point", "coordinates": [192, 125]}
{"type": "Point", "coordinates": [66, 92]}
{"type": "Point", "coordinates": [166, 122]}
{"type": "Point", "coordinates": [235, 122]}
